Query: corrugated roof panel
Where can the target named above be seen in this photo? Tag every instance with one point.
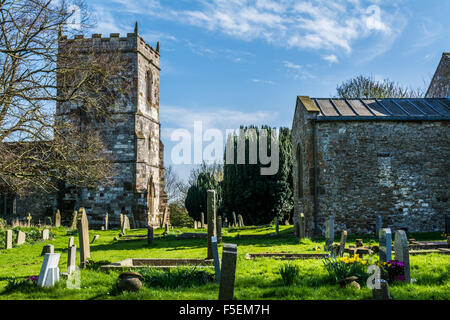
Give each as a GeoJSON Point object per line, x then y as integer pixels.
{"type": "Point", "coordinates": [327, 108]}
{"type": "Point", "coordinates": [376, 108]}
{"type": "Point", "coordinates": [359, 108]}
{"type": "Point", "coordinates": [394, 109]}
{"type": "Point", "coordinates": [343, 107]}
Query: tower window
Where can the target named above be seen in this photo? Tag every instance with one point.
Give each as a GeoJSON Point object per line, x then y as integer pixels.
{"type": "Point", "coordinates": [149, 82]}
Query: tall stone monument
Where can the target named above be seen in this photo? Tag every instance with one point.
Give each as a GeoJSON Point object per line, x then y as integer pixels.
{"type": "Point", "coordinates": [211, 216]}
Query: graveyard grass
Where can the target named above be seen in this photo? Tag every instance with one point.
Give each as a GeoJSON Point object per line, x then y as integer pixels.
{"type": "Point", "coordinates": [255, 279]}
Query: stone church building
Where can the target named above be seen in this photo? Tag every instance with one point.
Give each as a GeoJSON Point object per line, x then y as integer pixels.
{"type": "Point", "coordinates": [356, 159]}
{"type": "Point", "coordinates": [131, 135]}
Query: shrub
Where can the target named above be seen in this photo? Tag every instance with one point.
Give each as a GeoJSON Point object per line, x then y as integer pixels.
{"type": "Point", "coordinates": [176, 277]}
{"type": "Point", "coordinates": [341, 268]}
{"type": "Point", "coordinates": [289, 273]}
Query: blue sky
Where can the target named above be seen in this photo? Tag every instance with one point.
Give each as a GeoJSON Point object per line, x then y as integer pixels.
{"type": "Point", "coordinates": [232, 62]}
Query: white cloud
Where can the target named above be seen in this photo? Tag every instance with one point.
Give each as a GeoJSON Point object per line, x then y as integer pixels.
{"type": "Point", "coordinates": [263, 81]}
{"type": "Point", "coordinates": [331, 58]}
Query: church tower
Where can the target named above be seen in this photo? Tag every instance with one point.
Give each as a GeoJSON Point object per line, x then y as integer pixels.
{"type": "Point", "coordinates": [131, 134]}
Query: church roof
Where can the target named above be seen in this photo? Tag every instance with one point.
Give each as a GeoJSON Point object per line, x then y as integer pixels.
{"type": "Point", "coordinates": [379, 109]}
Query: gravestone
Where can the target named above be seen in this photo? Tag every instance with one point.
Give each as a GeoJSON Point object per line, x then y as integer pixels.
{"type": "Point", "coordinates": [150, 235]}
{"type": "Point", "coordinates": [234, 220]}
{"type": "Point", "coordinates": [297, 228]}
{"type": "Point", "coordinates": [71, 242]}
{"type": "Point", "coordinates": [20, 238]}
{"type": "Point", "coordinates": [195, 224]}
{"type": "Point", "coordinates": [49, 221]}
{"type": "Point", "coordinates": [121, 220]}
{"type": "Point", "coordinates": [74, 219]}
{"type": "Point", "coordinates": [219, 229]}
{"type": "Point", "coordinates": [225, 223]}
{"type": "Point", "coordinates": [48, 248]}
{"type": "Point", "coordinates": [29, 217]}
{"type": "Point", "coordinates": [83, 235]}
{"type": "Point", "coordinates": [202, 220]}
{"type": "Point", "coordinates": [71, 259]}
{"type": "Point", "coordinates": [302, 226]}
{"type": "Point", "coordinates": [379, 225]}
{"type": "Point", "coordinates": [228, 272]}
{"type": "Point", "coordinates": [126, 223]}
{"type": "Point", "coordinates": [211, 216]}
{"type": "Point", "coordinates": [342, 243]}
{"type": "Point", "coordinates": [216, 258]}
{"type": "Point", "coordinates": [329, 233]}
{"type": "Point", "coordinates": [8, 239]}
{"type": "Point", "coordinates": [49, 274]}
{"type": "Point", "coordinates": [106, 220]}
{"type": "Point", "coordinates": [57, 219]}
{"type": "Point", "coordinates": [131, 221]}
{"type": "Point", "coordinates": [383, 292]}
{"type": "Point", "coordinates": [240, 220]}
{"type": "Point", "coordinates": [96, 237]}
{"type": "Point", "coordinates": [385, 245]}
{"type": "Point", "coordinates": [45, 234]}
{"type": "Point", "coordinates": [402, 252]}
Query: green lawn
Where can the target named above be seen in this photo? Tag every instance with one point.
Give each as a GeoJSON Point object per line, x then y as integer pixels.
{"type": "Point", "coordinates": [255, 279]}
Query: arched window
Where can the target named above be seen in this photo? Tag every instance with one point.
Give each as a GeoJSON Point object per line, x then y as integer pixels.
{"type": "Point", "coordinates": [299, 172]}
{"type": "Point", "coordinates": [149, 82]}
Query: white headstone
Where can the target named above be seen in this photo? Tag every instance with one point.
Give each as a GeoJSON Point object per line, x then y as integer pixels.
{"type": "Point", "coordinates": [49, 274]}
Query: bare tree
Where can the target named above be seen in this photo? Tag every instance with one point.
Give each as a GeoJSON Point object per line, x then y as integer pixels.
{"type": "Point", "coordinates": [39, 74]}
{"type": "Point", "coordinates": [175, 188]}
{"type": "Point", "coordinates": [367, 87]}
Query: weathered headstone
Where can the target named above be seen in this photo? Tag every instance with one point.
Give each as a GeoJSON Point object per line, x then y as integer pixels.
{"type": "Point", "coordinates": [45, 234]}
{"type": "Point", "coordinates": [302, 226]}
{"type": "Point", "coordinates": [49, 221]}
{"type": "Point", "coordinates": [402, 252]}
{"type": "Point", "coordinates": [74, 219]}
{"type": "Point", "coordinates": [211, 216]}
{"type": "Point", "coordinates": [342, 243]}
{"type": "Point", "coordinates": [49, 274]}
{"type": "Point", "coordinates": [71, 259]}
{"type": "Point", "coordinates": [385, 245]}
{"type": "Point", "coordinates": [20, 238]}
{"type": "Point", "coordinates": [219, 229]}
{"type": "Point", "coordinates": [329, 233]}
{"type": "Point", "coordinates": [121, 220]}
{"type": "Point", "coordinates": [240, 220]}
{"type": "Point", "coordinates": [234, 220]}
{"type": "Point", "coordinates": [382, 293]}
{"type": "Point", "coordinates": [228, 272]}
{"type": "Point", "coordinates": [57, 219]}
{"type": "Point", "coordinates": [126, 223]}
{"type": "Point", "coordinates": [71, 242]}
{"type": "Point", "coordinates": [8, 239]}
{"type": "Point", "coordinates": [379, 225]}
{"type": "Point", "coordinates": [106, 220]}
{"type": "Point", "coordinates": [216, 258]}
{"type": "Point", "coordinates": [150, 235]}
{"type": "Point", "coordinates": [29, 217]}
{"type": "Point", "coordinates": [48, 248]}
{"type": "Point", "coordinates": [202, 220]}
{"type": "Point", "coordinates": [83, 235]}
{"type": "Point", "coordinates": [195, 224]}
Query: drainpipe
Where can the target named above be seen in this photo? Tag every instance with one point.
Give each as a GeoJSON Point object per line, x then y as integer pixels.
{"type": "Point", "coordinates": [316, 184]}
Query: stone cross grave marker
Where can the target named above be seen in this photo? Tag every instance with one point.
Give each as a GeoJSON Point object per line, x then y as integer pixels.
{"type": "Point", "coordinates": [329, 233]}
{"type": "Point", "coordinates": [402, 252]}
{"type": "Point", "coordinates": [211, 216]}
{"type": "Point", "coordinates": [49, 274]}
{"type": "Point", "coordinates": [71, 259]}
{"type": "Point", "coordinates": [83, 235]}
{"type": "Point", "coordinates": [202, 220]}
{"type": "Point", "coordinates": [8, 239]}
{"type": "Point", "coordinates": [74, 219]}
{"type": "Point", "coordinates": [57, 219]}
{"type": "Point", "coordinates": [219, 229]}
{"type": "Point", "coordinates": [302, 228]}
{"type": "Point", "coordinates": [29, 217]}
{"type": "Point", "coordinates": [385, 245]}
{"type": "Point", "coordinates": [106, 220]}
{"type": "Point", "coordinates": [45, 234]}
{"type": "Point", "coordinates": [150, 235]}
{"type": "Point", "coordinates": [379, 225]}
{"type": "Point", "coordinates": [342, 243]}
{"type": "Point", "coordinates": [234, 220]}
{"type": "Point", "coordinates": [21, 238]}
{"type": "Point", "coordinates": [228, 272]}
{"type": "Point", "coordinates": [216, 258]}
{"type": "Point", "coordinates": [48, 248]}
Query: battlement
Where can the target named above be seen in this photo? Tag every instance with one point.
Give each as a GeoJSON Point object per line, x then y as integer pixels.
{"type": "Point", "coordinates": [132, 42]}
